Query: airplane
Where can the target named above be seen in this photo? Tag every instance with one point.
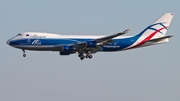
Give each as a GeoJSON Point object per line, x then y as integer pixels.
{"type": "Point", "coordinates": [86, 45]}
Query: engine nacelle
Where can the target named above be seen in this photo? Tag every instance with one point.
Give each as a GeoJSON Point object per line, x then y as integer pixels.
{"type": "Point", "coordinates": [67, 49]}
{"type": "Point", "coordinates": [91, 44]}
{"type": "Point", "coordinates": [64, 53]}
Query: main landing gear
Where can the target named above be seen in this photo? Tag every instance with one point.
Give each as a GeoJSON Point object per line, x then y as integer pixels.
{"type": "Point", "coordinates": [86, 55]}
{"type": "Point", "coordinates": [81, 55]}
{"type": "Point", "coordinates": [24, 55]}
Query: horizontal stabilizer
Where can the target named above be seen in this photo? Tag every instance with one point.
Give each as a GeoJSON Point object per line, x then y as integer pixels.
{"type": "Point", "coordinates": [159, 39]}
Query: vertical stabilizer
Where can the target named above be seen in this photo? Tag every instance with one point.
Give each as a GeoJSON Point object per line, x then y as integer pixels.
{"type": "Point", "coordinates": [163, 23]}
{"type": "Point", "coordinates": [159, 27]}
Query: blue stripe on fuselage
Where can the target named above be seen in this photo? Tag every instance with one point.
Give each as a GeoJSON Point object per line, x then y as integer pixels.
{"type": "Point", "coordinates": [116, 45]}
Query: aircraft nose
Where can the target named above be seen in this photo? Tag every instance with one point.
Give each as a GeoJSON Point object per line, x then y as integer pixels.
{"type": "Point", "coordinates": [8, 42]}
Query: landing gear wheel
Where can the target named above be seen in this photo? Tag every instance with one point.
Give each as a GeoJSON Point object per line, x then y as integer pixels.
{"type": "Point", "coordinates": [79, 55]}
{"type": "Point", "coordinates": [24, 55]}
{"type": "Point", "coordinates": [81, 58]}
{"type": "Point", "coordinates": [90, 56]}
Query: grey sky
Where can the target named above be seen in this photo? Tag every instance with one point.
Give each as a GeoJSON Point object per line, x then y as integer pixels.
{"type": "Point", "coordinates": [145, 74]}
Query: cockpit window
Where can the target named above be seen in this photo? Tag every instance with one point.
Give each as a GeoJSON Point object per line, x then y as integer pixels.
{"type": "Point", "coordinates": [19, 34]}
{"type": "Point", "coordinates": [27, 34]}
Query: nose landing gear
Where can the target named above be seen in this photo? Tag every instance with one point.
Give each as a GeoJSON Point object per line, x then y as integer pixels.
{"type": "Point", "coordinates": [24, 55]}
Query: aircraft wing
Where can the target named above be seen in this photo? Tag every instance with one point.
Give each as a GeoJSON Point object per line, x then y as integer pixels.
{"type": "Point", "coordinates": [93, 44]}
{"type": "Point", "coordinates": [106, 38]}
{"type": "Point", "coordinates": [101, 41]}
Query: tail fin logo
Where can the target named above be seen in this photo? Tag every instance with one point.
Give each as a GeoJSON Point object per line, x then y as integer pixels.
{"type": "Point", "coordinates": [155, 27]}
{"type": "Point", "coordinates": [162, 24]}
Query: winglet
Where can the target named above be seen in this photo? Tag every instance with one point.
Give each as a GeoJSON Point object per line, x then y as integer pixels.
{"type": "Point", "coordinates": [127, 30]}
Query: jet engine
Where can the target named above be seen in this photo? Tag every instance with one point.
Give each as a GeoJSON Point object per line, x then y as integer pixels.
{"type": "Point", "coordinates": [91, 44]}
